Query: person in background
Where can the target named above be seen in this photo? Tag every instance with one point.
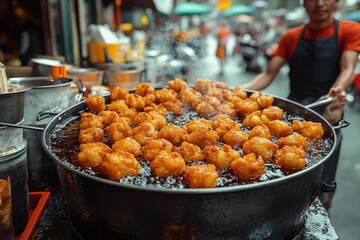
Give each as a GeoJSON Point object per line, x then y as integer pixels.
{"type": "Point", "coordinates": [8, 53]}
{"type": "Point", "coordinates": [322, 56]}
{"type": "Point", "coordinates": [223, 35]}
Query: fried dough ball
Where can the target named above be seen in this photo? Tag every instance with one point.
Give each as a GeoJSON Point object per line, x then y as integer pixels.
{"type": "Point", "coordinates": [135, 101]}
{"type": "Point", "coordinates": [110, 117]}
{"type": "Point", "coordinates": [166, 95]}
{"type": "Point", "coordinates": [309, 129]}
{"type": "Point", "coordinates": [92, 154]}
{"type": "Point", "coordinates": [215, 93]}
{"type": "Point", "coordinates": [157, 108]}
{"type": "Point", "coordinates": [222, 123]}
{"type": "Point", "coordinates": [248, 167]}
{"type": "Point", "coordinates": [245, 106]}
{"type": "Point", "coordinates": [291, 157]}
{"type": "Point", "coordinates": [255, 119]}
{"type": "Point", "coordinates": [213, 101]}
{"type": "Point", "coordinates": [190, 152]}
{"type": "Point", "coordinates": [144, 132]}
{"type": "Point", "coordinates": [201, 176]}
{"type": "Point", "coordinates": [294, 139]}
{"type": "Point", "coordinates": [191, 97]}
{"type": "Point", "coordinates": [221, 85]}
{"type": "Point", "coordinates": [121, 164]}
{"type": "Point", "coordinates": [262, 99]}
{"type": "Point", "coordinates": [118, 93]}
{"type": "Point", "coordinates": [144, 89]}
{"type": "Point", "coordinates": [152, 117]}
{"type": "Point", "coordinates": [227, 108]}
{"type": "Point", "coordinates": [153, 146]}
{"type": "Point", "coordinates": [279, 128]}
{"type": "Point", "coordinates": [260, 131]}
{"type": "Point", "coordinates": [221, 156]}
{"type": "Point", "coordinates": [236, 92]}
{"type": "Point", "coordinates": [175, 106]}
{"type": "Point", "coordinates": [235, 138]}
{"type": "Point", "coordinates": [202, 85]}
{"type": "Point", "coordinates": [173, 134]}
{"type": "Point", "coordinates": [203, 137]}
{"type": "Point", "coordinates": [167, 164]}
{"type": "Point", "coordinates": [91, 135]}
{"type": "Point", "coordinates": [196, 124]}
{"type": "Point", "coordinates": [177, 85]}
{"type": "Point", "coordinates": [261, 147]}
{"type": "Point", "coordinates": [122, 109]}
{"type": "Point", "coordinates": [273, 113]}
{"type": "Point", "coordinates": [95, 103]}
{"type": "Point", "coordinates": [204, 108]}
{"type": "Point", "coordinates": [88, 120]}
{"type": "Point", "coordinates": [119, 130]}
{"type": "Point", "coordinates": [127, 145]}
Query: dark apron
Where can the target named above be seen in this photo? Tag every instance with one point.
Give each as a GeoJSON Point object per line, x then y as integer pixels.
{"type": "Point", "coordinates": [314, 68]}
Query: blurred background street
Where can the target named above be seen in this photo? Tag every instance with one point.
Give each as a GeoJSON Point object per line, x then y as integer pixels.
{"type": "Point", "coordinates": [345, 212]}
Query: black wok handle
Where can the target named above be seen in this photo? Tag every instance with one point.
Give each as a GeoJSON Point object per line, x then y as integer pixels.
{"type": "Point", "coordinates": [320, 103]}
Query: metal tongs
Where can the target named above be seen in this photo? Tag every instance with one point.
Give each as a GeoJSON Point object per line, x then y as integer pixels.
{"type": "Point", "coordinates": [321, 102]}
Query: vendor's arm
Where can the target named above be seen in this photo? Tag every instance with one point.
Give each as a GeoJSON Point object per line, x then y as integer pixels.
{"type": "Point", "coordinates": [264, 79]}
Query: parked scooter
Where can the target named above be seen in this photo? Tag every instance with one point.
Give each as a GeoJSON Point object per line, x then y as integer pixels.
{"type": "Point", "coordinates": [250, 52]}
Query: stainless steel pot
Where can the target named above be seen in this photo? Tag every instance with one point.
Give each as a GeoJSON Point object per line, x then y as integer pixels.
{"type": "Point", "coordinates": [101, 208]}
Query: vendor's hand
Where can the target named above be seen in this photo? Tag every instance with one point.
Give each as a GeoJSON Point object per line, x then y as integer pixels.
{"type": "Point", "coordinates": [334, 111]}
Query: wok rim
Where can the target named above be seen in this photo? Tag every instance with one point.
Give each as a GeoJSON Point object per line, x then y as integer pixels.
{"type": "Point", "coordinates": [227, 189]}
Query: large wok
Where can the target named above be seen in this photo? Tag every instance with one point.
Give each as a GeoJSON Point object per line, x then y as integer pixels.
{"type": "Point", "coordinates": [104, 209]}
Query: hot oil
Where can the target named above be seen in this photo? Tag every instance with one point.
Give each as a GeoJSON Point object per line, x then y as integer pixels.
{"type": "Point", "coordinates": [65, 145]}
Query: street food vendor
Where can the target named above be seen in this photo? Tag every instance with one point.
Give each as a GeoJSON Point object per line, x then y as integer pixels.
{"type": "Point", "coordinates": [322, 55]}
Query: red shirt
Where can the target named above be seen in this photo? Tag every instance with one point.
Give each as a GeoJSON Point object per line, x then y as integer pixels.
{"type": "Point", "coordinates": [348, 38]}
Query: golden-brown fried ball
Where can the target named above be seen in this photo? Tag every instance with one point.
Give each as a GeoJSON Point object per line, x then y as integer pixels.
{"type": "Point", "coordinates": [221, 156]}
{"type": "Point", "coordinates": [173, 134]}
{"type": "Point", "coordinates": [153, 146]}
{"type": "Point", "coordinates": [203, 137]}
{"type": "Point", "coordinates": [216, 93]}
{"type": "Point", "coordinates": [294, 139]}
{"type": "Point", "coordinates": [190, 152]}
{"type": "Point", "coordinates": [236, 92]}
{"type": "Point", "coordinates": [204, 108]}
{"type": "Point", "coordinates": [279, 128]}
{"type": "Point", "coordinates": [255, 119]}
{"type": "Point", "coordinates": [235, 138]}
{"type": "Point", "coordinates": [144, 132]}
{"type": "Point", "coordinates": [245, 106]}
{"type": "Point", "coordinates": [88, 120]}
{"type": "Point", "coordinates": [273, 113]}
{"type": "Point", "coordinates": [202, 85]}
{"type": "Point", "coordinates": [201, 176]}
{"type": "Point", "coordinates": [291, 157]}
{"type": "Point", "coordinates": [95, 103]}
{"type": "Point", "coordinates": [92, 154]}
{"type": "Point", "coordinates": [110, 117]}
{"type": "Point", "coordinates": [191, 97]}
{"type": "Point", "coordinates": [122, 109]}
{"type": "Point", "coordinates": [222, 123]}
{"type": "Point", "coordinates": [118, 93]}
{"type": "Point", "coordinates": [175, 106]}
{"type": "Point", "coordinates": [91, 135]}
{"type": "Point", "coordinates": [262, 99]}
{"type": "Point", "coordinates": [127, 145]}
{"type": "Point", "coordinates": [196, 124]}
{"type": "Point", "coordinates": [135, 101]}
{"type": "Point", "coordinates": [157, 108]}
{"type": "Point", "coordinates": [261, 147]}
{"type": "Point", "coordinates": [260, 131]}
{"type": "Point", "coordinates": [166, 95]}
{"type": "Point", "coordinates": [309, 129]}
{"type": "Point", "coordinates": [177, 85]}
{"type": "Point", "coordinates": [144, 89]}
{"type": "Point", "coordinates": [121, 164]}
{"type": "Point", "coordinates": [119, 130]}
{"type": "Point", "coordinates": [227, 108]}
{"type": "Point", "coordinates": [167, 164]}
{"type": "Point", "coordinates": [248, 167]}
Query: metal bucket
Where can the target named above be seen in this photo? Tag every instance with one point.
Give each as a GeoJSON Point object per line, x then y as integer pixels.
{"type": "Point", "coordinates": [10, 139]}
{"type": "Point", "coordinates": [12, 103]}
{"type": "Point", "coordinates": [46, 94]}
{"type": "Point", "coordinates": [14, 166]}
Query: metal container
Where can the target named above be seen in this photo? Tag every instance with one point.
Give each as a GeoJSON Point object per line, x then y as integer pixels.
{"type": "Point", "coordinates": [14, 166]}
{"type": "Point", "coordinates": [12, 103]}
{"type": "Point", "coordinates": [6, 226]}
{"type": "Point", "coordinates": [88, 76]}
{"type": "Point", "coordinates": [10, 139]}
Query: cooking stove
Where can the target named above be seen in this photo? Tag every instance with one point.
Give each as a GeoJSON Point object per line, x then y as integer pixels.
{"type": "Point", "coordinates": [55, 222]}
